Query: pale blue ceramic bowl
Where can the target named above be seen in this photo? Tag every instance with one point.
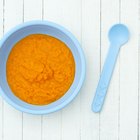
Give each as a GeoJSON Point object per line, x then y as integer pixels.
{"type": "Point", "coordinates": [55, 30]}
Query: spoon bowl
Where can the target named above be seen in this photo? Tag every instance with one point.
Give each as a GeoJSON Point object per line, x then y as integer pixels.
{"type": "Point", "coordinates": [119, 34]}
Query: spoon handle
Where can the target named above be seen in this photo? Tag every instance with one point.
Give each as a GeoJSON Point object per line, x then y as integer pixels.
{"type": "Point", "coordinates": [105, 78]}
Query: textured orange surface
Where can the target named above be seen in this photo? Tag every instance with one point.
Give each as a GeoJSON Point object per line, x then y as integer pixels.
{"type": "Point", "coordinates": [40, 69]}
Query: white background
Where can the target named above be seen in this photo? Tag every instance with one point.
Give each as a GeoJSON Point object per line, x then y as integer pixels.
{"type": "Point", "coordinates": [89, 21]}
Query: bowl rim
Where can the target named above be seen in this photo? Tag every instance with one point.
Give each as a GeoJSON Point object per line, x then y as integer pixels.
{"type": "Point", "coordinates": [83, 63]}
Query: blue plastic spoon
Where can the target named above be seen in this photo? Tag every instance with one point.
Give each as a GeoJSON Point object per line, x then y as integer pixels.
{"type": "Point", "coordinates": [118, 36]}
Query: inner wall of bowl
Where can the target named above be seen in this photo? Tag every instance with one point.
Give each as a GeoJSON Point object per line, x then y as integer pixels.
{"type": "Point", "coordinates": [18, 35]}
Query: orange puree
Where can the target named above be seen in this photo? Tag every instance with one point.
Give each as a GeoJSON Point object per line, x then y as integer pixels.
{"type": "Point", "coordinates": [40, 69]}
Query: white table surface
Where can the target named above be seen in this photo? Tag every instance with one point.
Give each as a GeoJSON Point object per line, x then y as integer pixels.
{"type": "Point", "coordinates": [89, 21]}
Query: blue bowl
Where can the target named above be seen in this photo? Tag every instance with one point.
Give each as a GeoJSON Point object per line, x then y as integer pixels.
{"type": "Point", "coordinates": [52, 29]}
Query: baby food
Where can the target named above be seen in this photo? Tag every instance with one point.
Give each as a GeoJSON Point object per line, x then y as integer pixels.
{"type": "Point", "coordinates": [40, 69]}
